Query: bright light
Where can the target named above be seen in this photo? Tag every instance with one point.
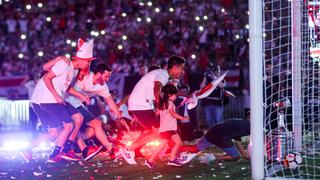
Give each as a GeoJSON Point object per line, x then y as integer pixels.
{"type": "Point", "coordinates": [40, 5]}
{"type": "Point", "coordinates": [124, 37]}
{"type": "Point", "coordinates": [92, 33]}
{"type": "Point", "coordinates": [15, 145]}
{"type": "Point", "coordinates": [73, 44]}
{"type": "Point", "coordinates": [68, 41]}
{"type": "Point", "coordinates": [141, 3]}
{"type": "Point", "coordinates": [102, 32]}
{"type": "Point", "coordinates": [197, 18]}
{"type": "Point", "coordinates": [6, 0]}
{"type": "Point", "coordinates": [128, 143]}
{"type": "Point", "coordinates": [193, 56]}
{"type": "Point", "coordinates": [120, 47]}
{"type": "Point", "coordinates": [248, 40]}
{"type": "Point", "coordinates": [20, 55]}
{"type": "Point", "coordinates": [148, 19]}
{"type": "Point", "coordinates": [40, 53]}
{"type": "Point", "coordinates": [43, 145]}
{"type": "Point", "coordinates": [157, 10]}
{"type": "Point", "coordinates": [264, 34]}
{"type": "Point", "coordinates": [201, 28]}
{"type": "Point", "coordinates": [149, 3]}
{"type": "Point", "coordinates": [153, 143]}
{"type": "Point", "coordinates": [67, 55]}
{"type": "Point", "coordinates": [96, 34]}
{"type": "Point", "coordinates": [247, 26]}
{"type": "Point", "coordinates": [248, 12]}
{"type": "Point", "coordinates": [123, 14]}
{"type": "Point", "coordinates": [23, 36]}
{"type": "Point", "coordinates": [223, 10]}
{"type": "Point", "coordinates": [171, 9]}
{"type": "Point", "coordinates": [48, 19]}
{"type": "Point", "coordinates": [139, 19]}
{"type": "Point", "coordinates": [237, 36]}
{"type": "Point", "coordinates": [205, 17]}
{"type": "Point", "coordinates": [157, 143]}
{"type": "Point", "coordinates": [89, 20]}
{"type": "Point", "coordinates": [28, 6]}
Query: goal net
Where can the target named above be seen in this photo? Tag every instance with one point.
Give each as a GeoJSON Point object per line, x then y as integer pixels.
{"type": "Point", "coordinates": [291, 96]}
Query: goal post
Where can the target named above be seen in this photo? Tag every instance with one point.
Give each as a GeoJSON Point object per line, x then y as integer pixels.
{"type": "Point", "coordinates": [296, 74]}
{"type": "Point", "coordinates": [284, 44]}
{"type": "Point", "coordinates": [256, 85]}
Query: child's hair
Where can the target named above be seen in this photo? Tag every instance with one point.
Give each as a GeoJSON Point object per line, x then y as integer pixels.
{"type": "Point", "coordinates": [167, 90]}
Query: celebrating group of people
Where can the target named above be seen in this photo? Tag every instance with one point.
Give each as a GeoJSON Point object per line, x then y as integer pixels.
{"type": "Point", "coordinates": [60, 99]}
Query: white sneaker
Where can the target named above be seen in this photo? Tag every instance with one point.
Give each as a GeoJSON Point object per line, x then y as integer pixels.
{"type": "Point", "coordinates": [186, 157]}
{"type": "Point", "coordinates": [128, 156]}
{"type": "Point", "coordinates": [207, 158]}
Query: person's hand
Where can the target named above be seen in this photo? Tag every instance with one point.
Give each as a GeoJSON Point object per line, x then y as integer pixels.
{"type": "Point", "coordinates": [245, 156]}
{"type": "Point", "coordinates": [186, 118]}
{"type": "Point", "coordinates": [59, 100]}
{"type": "Point", "coordinates": [85, 99]}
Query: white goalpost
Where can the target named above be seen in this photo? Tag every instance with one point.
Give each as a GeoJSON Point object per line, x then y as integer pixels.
{"type": "Point", "coordinates": [284, 41]}
{"type": "Point", "coordinates": [296, 74]}
{"type": "Point", "coordinates": [256, 118]}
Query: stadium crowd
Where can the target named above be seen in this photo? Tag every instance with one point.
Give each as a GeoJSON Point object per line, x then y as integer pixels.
{"type": "Point", "coordinates": [126, 33]}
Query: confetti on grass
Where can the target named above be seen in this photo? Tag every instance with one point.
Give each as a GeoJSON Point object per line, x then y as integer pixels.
{"type": "Point", "coordinates": [37, 173]}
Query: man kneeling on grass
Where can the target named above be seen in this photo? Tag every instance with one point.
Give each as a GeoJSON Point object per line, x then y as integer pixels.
{"type": "Point", "coordinates": [220, 135]}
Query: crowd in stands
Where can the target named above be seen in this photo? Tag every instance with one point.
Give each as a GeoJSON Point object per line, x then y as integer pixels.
{"type": "Point", "coordinates": [127, 33]}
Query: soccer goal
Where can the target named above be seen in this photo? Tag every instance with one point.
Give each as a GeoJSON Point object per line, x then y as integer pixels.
{"type": "Point", "coordinates": [284, 87]}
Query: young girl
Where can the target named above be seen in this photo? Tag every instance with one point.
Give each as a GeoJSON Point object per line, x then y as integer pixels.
{"type": "Point", "coordinates": [168, 125]}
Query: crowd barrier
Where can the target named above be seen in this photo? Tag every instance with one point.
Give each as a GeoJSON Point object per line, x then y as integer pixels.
{"type": "Point", "coordinates": [14, 113]}
{"type": "Point", "coordinates": [235, 108]}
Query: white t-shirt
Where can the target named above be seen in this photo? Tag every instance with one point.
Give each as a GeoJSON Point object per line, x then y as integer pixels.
{"type": "Point", "coordinates": [142, 95]}
{"type": "Point", "coordinates": [64, 75]}
{"type": "Point", "coordinates": [167, 121]}
{"type": "Point", "coordinates": [87, 87]}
